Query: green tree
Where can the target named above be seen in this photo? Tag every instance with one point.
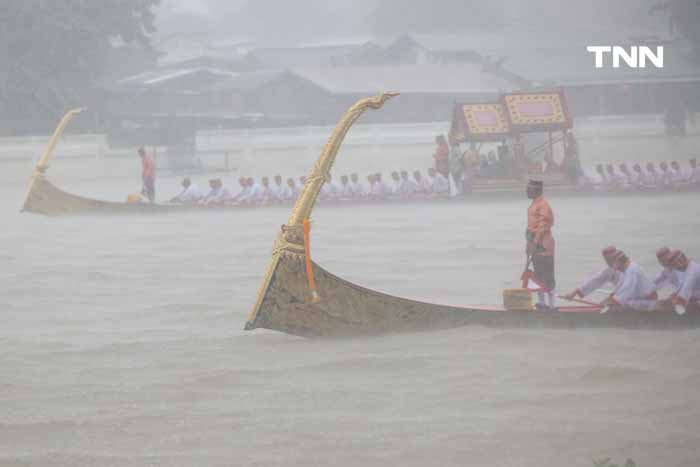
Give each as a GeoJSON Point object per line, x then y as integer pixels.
{"type": "Point", "coordinates": [53, 52]}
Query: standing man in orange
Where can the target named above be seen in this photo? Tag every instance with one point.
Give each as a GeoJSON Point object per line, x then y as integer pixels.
{"type": "Point", "coordinates": [540, 243]}
{"type": "Point", "coordinates": [148, 175]}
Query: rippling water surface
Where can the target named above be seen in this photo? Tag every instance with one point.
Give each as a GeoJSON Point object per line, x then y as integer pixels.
{"type": "Point", "coordinates": [121, 343]}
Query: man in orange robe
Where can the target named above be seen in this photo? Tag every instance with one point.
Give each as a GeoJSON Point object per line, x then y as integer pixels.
{"type": "Point", "coordinates": [148, 175]}
{"type": "Point", "coordinates": [540, 243]}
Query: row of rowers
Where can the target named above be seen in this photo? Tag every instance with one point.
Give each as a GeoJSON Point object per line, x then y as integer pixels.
{"type": "Point", "coordinates": [349, 187]}
{"type": "Point", "coordinates": [649, 177]}
{"type": "Point", "coordinates": [632, 288]}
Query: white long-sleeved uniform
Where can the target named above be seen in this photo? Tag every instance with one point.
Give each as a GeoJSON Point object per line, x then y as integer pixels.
{"type": "Point", "coordinates": [255, 194]}
{"type": "Point", "coordinates": [636, 290]}
{"type": "Point", "coordinates": [407, 187]}
{"type": "Point", "coordinates": [380, 189]}
{"type": "Point", "coordinates": [678, 178]}
{"type": "Point", "coordinates": [331, 190]}
{"type": "Point", "coordinates": [439, 184]}
{"type": "Point", "coordinates": [217, 195]}
{"type": "Point", "coordinates": [694, 176]}
{"type": "Point", "coordinates": [668, 277]}
{"type": "Point", "coordinates": [690, 287]}
{"type": "Point", "coordinates": [191, 194]}
{"type": "Point", "coordinates": [606, 276]}
{"type": "Point", "coordinates": [286, 193]}
{"type": "Point", "coordinates": [357, 189]}
{"type": "Point", "coordinates": [650, 179]}
{"type": "Point", "coordinates": [423, 186]}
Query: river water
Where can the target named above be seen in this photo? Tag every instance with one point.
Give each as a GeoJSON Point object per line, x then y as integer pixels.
{"type": "Point", "coordinates": [121, 342]}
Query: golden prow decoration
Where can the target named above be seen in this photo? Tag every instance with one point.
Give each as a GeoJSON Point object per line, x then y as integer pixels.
{"type": "Point", "coordinates": [43, 164]}
{"type": "Point", "coordinates": [291, 239]}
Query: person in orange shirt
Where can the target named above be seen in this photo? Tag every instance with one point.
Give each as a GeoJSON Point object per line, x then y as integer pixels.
{"type": "Point", "coordinates": [148, 174]}
{"type": "Point", "coordinates": [441, 156]}
{"type": "Point", "coordinates": [540, 243]}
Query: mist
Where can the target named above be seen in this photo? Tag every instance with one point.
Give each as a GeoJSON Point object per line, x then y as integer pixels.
{"type": "Point", "coordinates": [377, 233]}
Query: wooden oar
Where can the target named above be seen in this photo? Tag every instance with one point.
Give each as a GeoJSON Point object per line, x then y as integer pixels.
{"type": "Point", "coordinates": [590, 305]}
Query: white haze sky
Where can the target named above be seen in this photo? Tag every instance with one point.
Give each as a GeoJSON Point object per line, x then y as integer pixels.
{"type": "Point", "coordinates": [305, 19]}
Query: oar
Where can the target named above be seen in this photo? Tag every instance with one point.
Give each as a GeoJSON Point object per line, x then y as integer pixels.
{"type": "Point", "coordinates": [581, 301]}
{"type": "Point", "coordinates": [589, 304]}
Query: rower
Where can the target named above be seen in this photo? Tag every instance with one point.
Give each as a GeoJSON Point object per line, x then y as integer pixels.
{"type": "Point", "coordinates": [345, 190]}
{"type": "Point", "coordinates": [626, 174]}
{"type": "Point", "coordinates": [408, 186]}
{"type": "Point", "coordinates": [601, 173]}
{"type": "Point", "coordinates": [370, 182]}
{"type": "Point", "coordinates": [422, 184]}
{"type": "Point", "coordinates": [609, 275]}
{"type": "Point", "coordinates": [380, 189]}
{"type": "Point", "coordinates": [330, 190]}
{"type": "Point", "coordinates": [190, 193]}
{"type": "Point", "coordinates": [668, 276]}
{"type": "Point", "coordinates": [269, 194]}
{"type": "Point", "coordinates": [637, 179]}
{"type": "Point", "coordinates": [218, 193]}
{"type": "Point", "coordinates": [278, 187]}
{"type": "Point", "coordinates": [213, 192]}
{"type": "Point", "coordinates": [438, 183]}
{"type": "Point", "coordinates": [396, 189]}
{"type": "Point", "coordinates": [286, 192]}
{"type": "Point", "coordinates": [540, 242]}
{"type": "Point", "coordinates": [245, 189]}
{"type": "Point", "coordinates": [255, 193]}
{"type": "Point", "coordinates": [694, 177]}
{"type": "Point", "coordinates": [615, 180]}
{"type": "Point", "coordinates": [678, 178]}
{"type": "Point", "coordinates": [651, 179]}
{"type": "Point", "coordinates": [636, 290]}
{"type": "Point", "coordinates": [688, 295]}
{"type": "Point", "coordinates": [292, 191]}
{"type": "Point", "coordinates": [358, 190]}
{"type": "Point", "coordinates": [665, 176]}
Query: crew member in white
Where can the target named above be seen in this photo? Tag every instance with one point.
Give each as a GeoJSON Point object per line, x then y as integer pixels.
{"type": "Point", "coordinates": [609, 275]}
{"type": "Point", "coordinates": [358, 189]}
{"type": "Point", "coordinates": [688, 295]}
{"type": "Point", "coordinates": [190, 193]}
{"type": "Point", "coordinates": [636, 291]}
{"type": "Point", "coordinates": [438, 183]}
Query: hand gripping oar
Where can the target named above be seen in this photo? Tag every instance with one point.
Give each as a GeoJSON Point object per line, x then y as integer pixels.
{"type": "Point", "coordinates": [591, 305]}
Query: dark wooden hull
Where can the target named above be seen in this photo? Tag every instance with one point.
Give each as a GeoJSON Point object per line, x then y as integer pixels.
{"type": "Point", "coordinates": [46, 199]}
{"type": "Point", "coordinates": [347, 310]}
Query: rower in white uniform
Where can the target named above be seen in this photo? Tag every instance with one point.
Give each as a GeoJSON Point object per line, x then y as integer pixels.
{"type": "Point", "coordinates": [422, 184]}
{"type": "Point", "coordinates": [357, 189]}
{"type": "Point", "coordinates": [651, 177]}
{"type": "Point", "coordinates": [694, 176]}
{"type": "Point", "coordinates": [609, 275]}
{"type": "Point", "coordinates": [636, 291]}
{"type": "Point", "coordinates": [190, 193]}
{"type": "Point", "coordinates": [688, 295]}
{"type": "Point", "coordinates": [668, 277]}
{"type": "Point", "coordinates": [255, 194]}
{"type": "Point", "coordinates": [438, 183]}
{"type": "Point", "coordinates": [408, 186]}
{"type": "Point", "coordinates": [380, 189]}
{"type": "Point", "coordinates": [665, 176]}
{"type": "Point", "coordinates": [287, 191]}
